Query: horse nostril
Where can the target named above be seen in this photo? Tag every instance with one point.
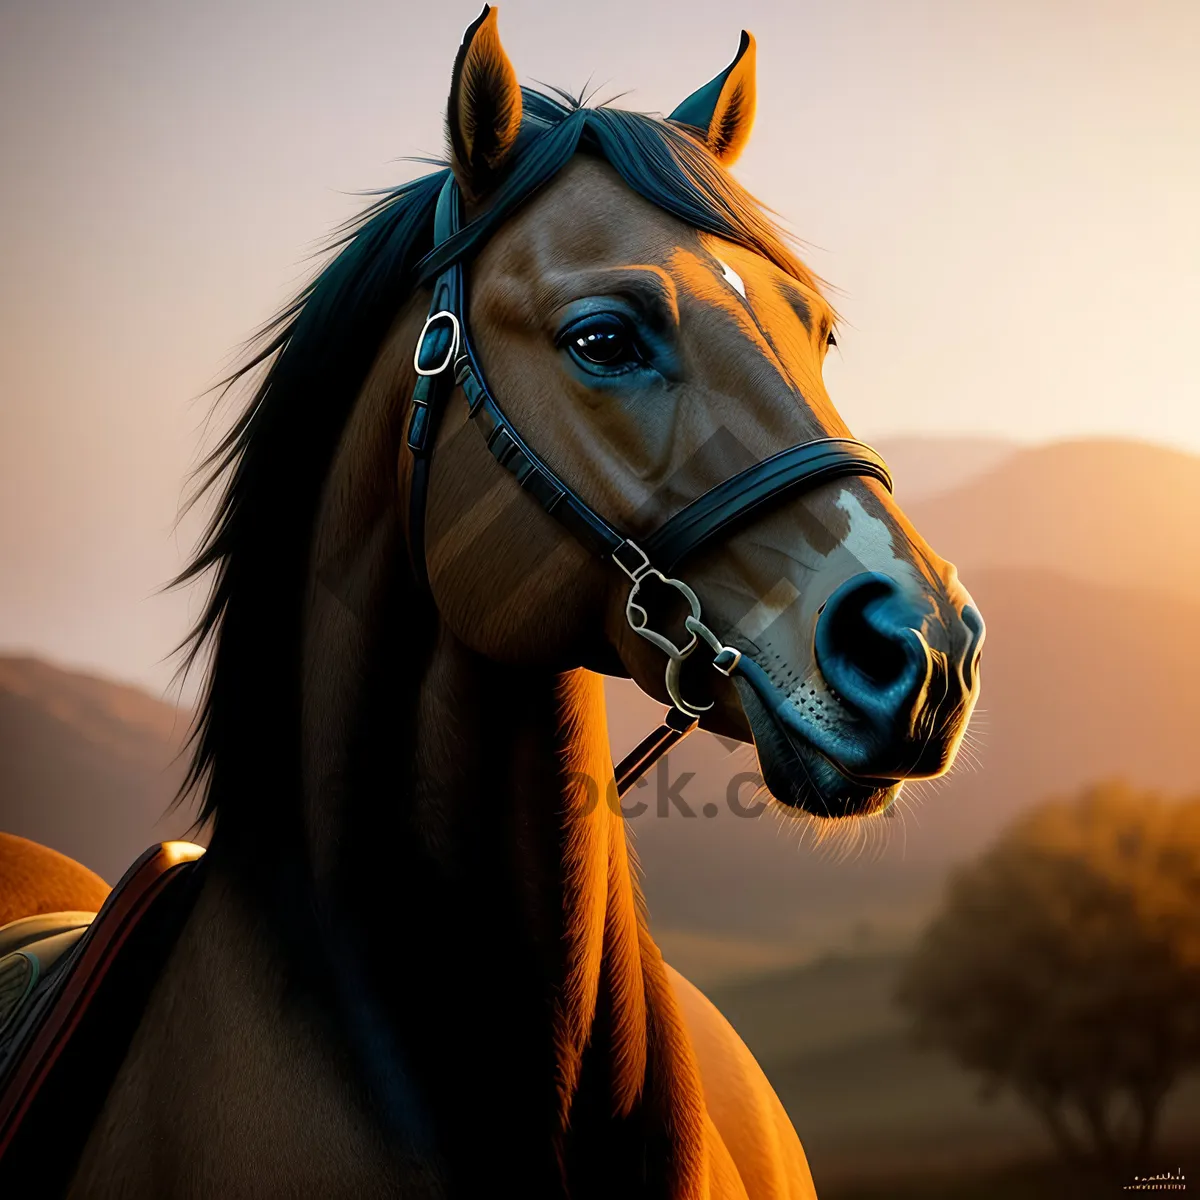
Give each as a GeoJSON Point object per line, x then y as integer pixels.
{"type": "Point", "coordinates": [874, 653]}
{"type": "Point", "coordinates": [869, 650]}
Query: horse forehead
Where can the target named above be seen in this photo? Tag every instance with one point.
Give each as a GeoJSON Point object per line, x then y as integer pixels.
{"type": "Point", "coordinates": [588, 216]}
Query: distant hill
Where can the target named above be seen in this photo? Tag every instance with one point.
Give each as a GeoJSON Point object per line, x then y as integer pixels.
{"type": "Point", "coordinates": [87, 766]}
{"type": "Point", "coordinates": [925, 466]}
{"type": "Point", "coordinates": [1079, 682]}
{"type": "Point", "coordinates": [1114, 512]}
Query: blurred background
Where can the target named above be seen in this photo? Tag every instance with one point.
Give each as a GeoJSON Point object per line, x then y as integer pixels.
{"type": "Point", "coordinates": [992, 990]}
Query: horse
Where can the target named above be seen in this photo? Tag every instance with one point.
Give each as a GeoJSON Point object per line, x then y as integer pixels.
{"type": "Point", "coordinates": [417, 961]}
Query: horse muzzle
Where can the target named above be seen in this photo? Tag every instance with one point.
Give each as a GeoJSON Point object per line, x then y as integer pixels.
{"type": "Point", "coordinates": [882, 705]}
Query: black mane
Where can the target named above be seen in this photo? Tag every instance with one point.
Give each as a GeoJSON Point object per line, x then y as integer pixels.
{"type": "Point", "coordinates": [316, 354]}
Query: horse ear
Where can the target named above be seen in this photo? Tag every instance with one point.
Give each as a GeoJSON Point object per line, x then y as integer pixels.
{"type": "Point", "coordinates": [723, 109]}
{"type": "Point", "coordinates": [484, 114]}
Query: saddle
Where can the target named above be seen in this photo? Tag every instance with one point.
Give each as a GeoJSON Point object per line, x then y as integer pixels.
{"type": "Point", "coordinates": [73, 987]}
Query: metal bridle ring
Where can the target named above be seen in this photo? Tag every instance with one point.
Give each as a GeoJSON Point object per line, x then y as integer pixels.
{"type": "Point", "coordinates": [674, 670]}
{"type": "Point", "coordinates": [455, 342]}
{"type": "Point", "coordinates": [639, 618]}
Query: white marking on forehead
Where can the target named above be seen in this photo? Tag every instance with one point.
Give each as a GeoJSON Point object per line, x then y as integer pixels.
{"type": "Point", "coordinates": [869, 540]}
{"type": "Point", "coordinates": [733, 279]}
{"type": "Point", "coordinates": [768, 609]}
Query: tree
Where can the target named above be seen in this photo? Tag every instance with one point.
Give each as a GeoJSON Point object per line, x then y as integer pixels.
{"type": "Point", "coordinates": [1065, 965]}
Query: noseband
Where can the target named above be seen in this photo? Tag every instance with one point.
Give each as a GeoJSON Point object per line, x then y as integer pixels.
{"type": "Point", "coordinates": [444, 352]}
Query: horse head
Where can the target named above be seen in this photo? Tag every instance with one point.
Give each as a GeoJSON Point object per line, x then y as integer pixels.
{"type": "Point", "coordinates": [651, 336]}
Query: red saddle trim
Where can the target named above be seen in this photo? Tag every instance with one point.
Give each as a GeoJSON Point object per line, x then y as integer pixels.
{"type": "Point", "coordinates": [125, 906]}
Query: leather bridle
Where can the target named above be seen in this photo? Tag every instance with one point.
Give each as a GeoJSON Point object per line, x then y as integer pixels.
{"type": "Point", "coordinates": [444, 352]}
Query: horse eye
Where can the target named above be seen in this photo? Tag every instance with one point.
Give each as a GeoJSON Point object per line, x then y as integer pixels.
{"type": "Point", "coordinates": [603, 340]}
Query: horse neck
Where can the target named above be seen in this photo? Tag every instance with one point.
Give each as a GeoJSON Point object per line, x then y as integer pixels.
{"type": "Point", "coordinates": [500, 882]}
{"type": "Point", "coordinates": [513, 825]}
{"type": "Point", "coordinates": [464, 840]}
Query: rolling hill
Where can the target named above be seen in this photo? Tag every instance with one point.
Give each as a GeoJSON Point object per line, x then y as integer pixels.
{"type": "Point", "coordinates": [924, 466]}
{"type": "Point", "coordinates": [1114, 512]}
{"type": "Point", "coordinates": [87, 766]}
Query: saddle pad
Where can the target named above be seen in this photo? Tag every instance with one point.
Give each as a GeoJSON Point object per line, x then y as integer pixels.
{"type": "Point", "coordinates": [71, 1023]}
{"type": "Point", "coordinates": [27, 930]}
{"type": "Point", "coordinates": [29, 950]}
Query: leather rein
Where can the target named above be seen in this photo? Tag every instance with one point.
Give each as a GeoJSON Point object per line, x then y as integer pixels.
{"type": "Point", "coordinates": [444, 358]}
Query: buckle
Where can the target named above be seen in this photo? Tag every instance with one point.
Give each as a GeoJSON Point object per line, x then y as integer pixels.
{"type": "Point", "coordinates": [641, 562]}
{"type": "Point", "coordinates": [437, 323]}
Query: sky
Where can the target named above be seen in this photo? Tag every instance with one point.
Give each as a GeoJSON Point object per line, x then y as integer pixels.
{"type": "Point", "coordinates": [1003, 194]}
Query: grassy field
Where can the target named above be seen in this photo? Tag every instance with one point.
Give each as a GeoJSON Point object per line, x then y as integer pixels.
{"type": "Point", "coordinates": [880, 1117]}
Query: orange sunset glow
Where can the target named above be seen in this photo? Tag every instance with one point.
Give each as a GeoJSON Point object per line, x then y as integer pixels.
{"type": "Point", "coordinates": [911, 914]}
